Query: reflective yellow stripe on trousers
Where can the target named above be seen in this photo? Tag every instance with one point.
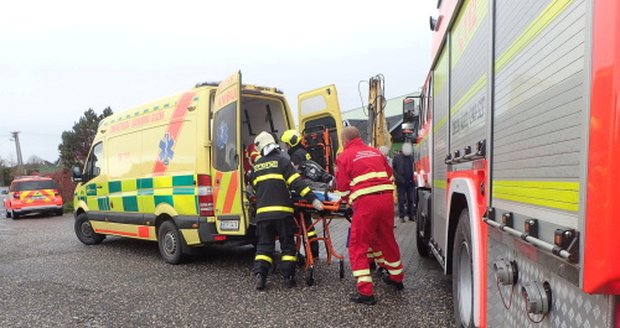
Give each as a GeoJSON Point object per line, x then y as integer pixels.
{"type": "Point", "coordinates": [264, 258]}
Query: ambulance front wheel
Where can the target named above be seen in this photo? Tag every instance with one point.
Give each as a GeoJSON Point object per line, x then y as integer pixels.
{"type": "Point", "coordinates": [84, 231]}
{"type": "Point", "coordinates": [169, 241]}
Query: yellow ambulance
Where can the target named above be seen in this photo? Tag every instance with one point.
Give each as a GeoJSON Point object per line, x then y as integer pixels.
{"type": "Point", "coordinates": [171, 170]}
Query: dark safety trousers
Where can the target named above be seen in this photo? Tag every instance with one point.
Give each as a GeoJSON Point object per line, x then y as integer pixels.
{"type": "Point", "coordinates": [407, 201]}
{"type": "Point", "coordinates": [372, 227]}
{"type": "Point", "coordinates": [314, 246]}
{"type": "Point", "coordinates": [266, 232]}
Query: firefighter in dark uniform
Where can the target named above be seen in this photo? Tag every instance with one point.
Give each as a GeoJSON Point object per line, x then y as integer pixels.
{"type": "Point", "coordinates": [272, 177]}
{"type": "Point", "coordinates": [298, 155]}
{"type": "Point", "coordinates": [296, 151]}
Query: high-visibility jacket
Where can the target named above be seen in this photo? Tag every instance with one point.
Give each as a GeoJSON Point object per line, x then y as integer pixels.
{"type": "Point", "coordinates": [362, 170]}
{"type": "Point", "coordinates": [273, 176]}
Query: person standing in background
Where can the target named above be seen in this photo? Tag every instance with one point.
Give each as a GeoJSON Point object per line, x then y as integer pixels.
{"type": "Point", "coordinates": [403, 165]}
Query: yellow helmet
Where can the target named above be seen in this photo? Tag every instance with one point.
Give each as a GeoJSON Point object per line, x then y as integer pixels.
{"type": "Point", "coordinates": [291, 137]}
{"type": "Point", "coordinates": [263, 139]}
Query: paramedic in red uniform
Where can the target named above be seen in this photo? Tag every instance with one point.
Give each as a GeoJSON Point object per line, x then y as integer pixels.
{"type": "Point", "coordinates": [363, 175]}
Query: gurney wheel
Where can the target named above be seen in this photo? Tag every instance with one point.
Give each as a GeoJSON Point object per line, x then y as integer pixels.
{"type": "Point", "coordinates": [301, 260]}
{"type": "Point", "coordinates": [310, 277]}
{"type": "Point", "coordinates": [341, 269]}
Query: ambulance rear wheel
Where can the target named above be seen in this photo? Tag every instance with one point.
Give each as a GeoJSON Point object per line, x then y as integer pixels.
{"type": "Point", "coordinates": [169, 241]}
{"type": "Point", "coordinates": [14, 215]}
{"type": "Point", "coordinates": [7, 214]}
{"type": "Point", "coordinates": [84, 231]}
{"type": "Point", "coordinates": [462, 273]}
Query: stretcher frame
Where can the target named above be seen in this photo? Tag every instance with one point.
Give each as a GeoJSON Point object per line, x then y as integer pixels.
{"type": "Point", "coordinates": [324, 218]}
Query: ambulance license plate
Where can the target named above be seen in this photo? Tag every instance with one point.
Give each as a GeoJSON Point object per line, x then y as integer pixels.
{"type": "Point", "coordinates": [229, 225]}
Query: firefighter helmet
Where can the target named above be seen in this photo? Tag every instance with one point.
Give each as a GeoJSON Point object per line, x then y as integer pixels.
{"type": "Point", "coordinates": [263, 139]}
{"type": "Point", "coordinates": [291, 137]}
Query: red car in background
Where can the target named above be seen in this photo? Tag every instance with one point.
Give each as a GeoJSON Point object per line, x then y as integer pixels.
{"type": "Point", "coordinates": [32, 194]}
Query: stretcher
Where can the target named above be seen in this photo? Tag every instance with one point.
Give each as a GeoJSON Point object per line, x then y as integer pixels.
{"type": "Point", "coordinates": [332, 210]}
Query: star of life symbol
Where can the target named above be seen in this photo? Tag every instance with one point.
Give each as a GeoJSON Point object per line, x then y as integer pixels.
{"type": "Point", "coordinates": [165, 149]}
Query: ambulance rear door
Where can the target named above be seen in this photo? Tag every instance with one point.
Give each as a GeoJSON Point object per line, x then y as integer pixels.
{"type": "Point", "coordinates": [318, 110]}
{"type": "Point", "coordinates": [226, 158]}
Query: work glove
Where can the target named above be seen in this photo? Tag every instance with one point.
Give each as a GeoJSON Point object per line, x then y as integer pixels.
{"type": "Point", "coordinates": [317, 205]}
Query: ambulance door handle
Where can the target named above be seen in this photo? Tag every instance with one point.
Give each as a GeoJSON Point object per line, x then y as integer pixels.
{"type": "Point", "coordinates": [99, 186]}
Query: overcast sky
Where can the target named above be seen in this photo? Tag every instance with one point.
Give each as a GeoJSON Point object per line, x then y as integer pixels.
{"type": "Point", "coordinates": [59, 58]}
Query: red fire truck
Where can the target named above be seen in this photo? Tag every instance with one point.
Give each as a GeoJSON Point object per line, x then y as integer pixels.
{"type": "Point", "coordinates": [517, 135]}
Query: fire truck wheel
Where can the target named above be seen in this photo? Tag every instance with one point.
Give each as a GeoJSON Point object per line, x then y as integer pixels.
{"type": "Point", "coordinates": [422, 243]}
{"type": "Point", "coordinates": [169, 241]}
{"type": "Point", "coordinates": [84, 231]}
{"type": "Point", "coordinates": [462, 273]}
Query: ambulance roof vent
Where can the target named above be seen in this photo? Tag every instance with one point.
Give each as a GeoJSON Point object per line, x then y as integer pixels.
{"type": "Point", "coordinates": [207, 84]}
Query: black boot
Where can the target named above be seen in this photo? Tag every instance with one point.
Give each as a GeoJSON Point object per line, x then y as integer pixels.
{"type": "Point", "coordinates": [386, 278]}
{"type": "Point", "coordinates": [260, 280]}
{"type": "Point", "coordinates": [402, 220]}
{"type": "Point", "coordinates": [289, 282]}
{"type": "Point", "coordinates": [357, 298]}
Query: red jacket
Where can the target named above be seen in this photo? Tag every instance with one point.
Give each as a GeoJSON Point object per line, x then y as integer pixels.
{"type": "Point", "coordinates": [362, 170]}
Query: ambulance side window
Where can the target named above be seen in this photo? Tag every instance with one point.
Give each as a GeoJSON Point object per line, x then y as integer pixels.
{"type": "Point", "coordinates": [93, 165]}
{"type": "Point", "coordinates": [224, 132]}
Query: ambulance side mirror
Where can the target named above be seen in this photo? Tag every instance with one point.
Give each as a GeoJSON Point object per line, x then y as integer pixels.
{"type": "Point", "coordinates": [76, 172]}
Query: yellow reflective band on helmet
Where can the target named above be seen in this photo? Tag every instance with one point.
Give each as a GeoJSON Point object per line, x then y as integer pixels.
{"type": "Point", "coordinates": [393, 264]}
{"type": "Point", "coordinates": [363, 272]}
{"type": "Point", "coordinates": [368, 176]}
{"type": "Point", "coordinates": [274, 176]}
{"type": "Point", "coordinates": [305, 191]}
{"type": "Point", "coordinates": [395, 272]}
{"type": "Point", "coordinates": [275, 209]}
{"type": "Point", "coordinates": [289, 258]}
{"type": "Point", "coordinates": [263, 258]}
{"type": "Point", "coordinates": [312, 233]}
{"type": "Point", "coordinates": [371, 190]}
{"type": "Point", "coordinates": [292, 178]}
{"type": "Point", "coordinates": [364, 279]}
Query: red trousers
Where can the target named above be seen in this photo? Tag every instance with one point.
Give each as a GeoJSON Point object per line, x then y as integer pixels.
{"type": "Point", "coordinates": [372, 227]}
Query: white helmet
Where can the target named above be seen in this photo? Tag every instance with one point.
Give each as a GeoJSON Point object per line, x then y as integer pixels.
{"type": "Point", "coordinates": [263, 139]}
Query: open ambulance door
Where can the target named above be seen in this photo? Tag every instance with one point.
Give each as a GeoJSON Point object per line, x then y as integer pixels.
{"type": "Point", "coordinates": [319, 112]}
{"type": "Point", "coordinates": [226, 158]}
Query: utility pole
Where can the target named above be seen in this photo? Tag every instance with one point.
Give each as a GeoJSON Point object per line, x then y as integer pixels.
{"type": "Point", "coordinates": [18, 150]}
